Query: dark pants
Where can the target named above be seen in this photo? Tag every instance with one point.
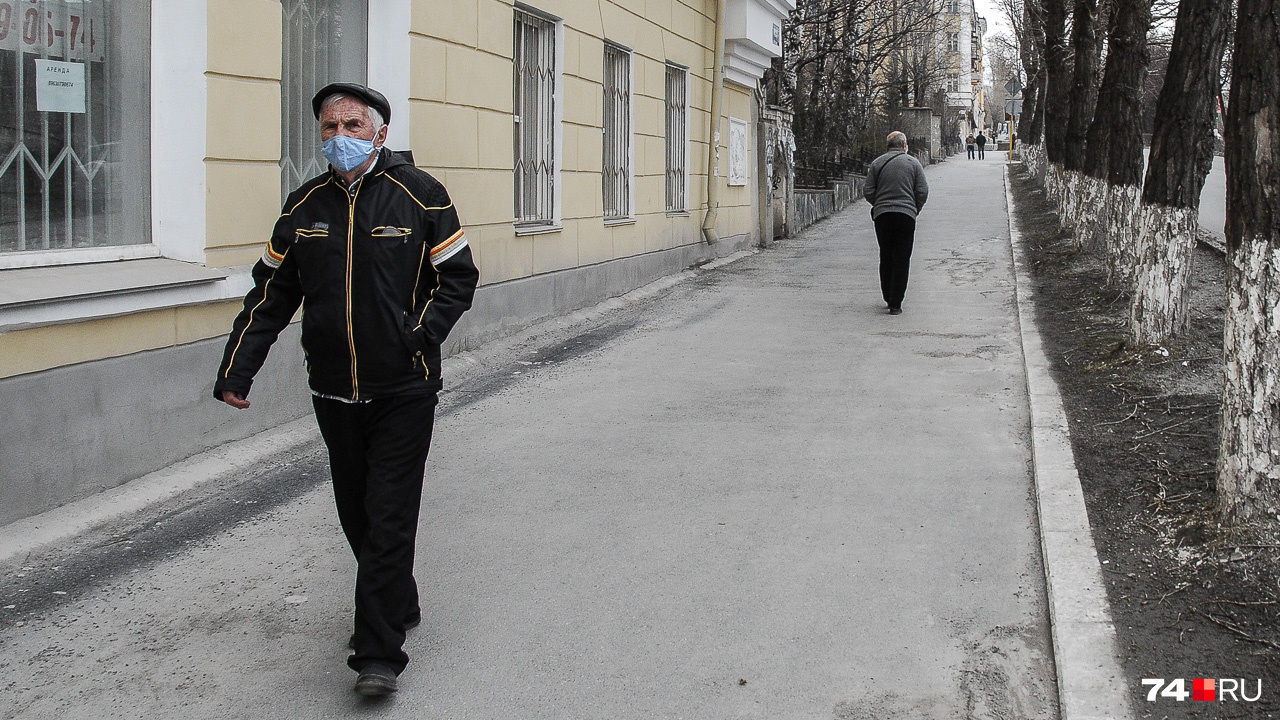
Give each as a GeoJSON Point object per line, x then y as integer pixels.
{"type": "Point", "coordinates": [377, 453]}
{"type": "Point", "coordinates": [981, 148]}
{"type": "Point", "coordinates": [896, 234]}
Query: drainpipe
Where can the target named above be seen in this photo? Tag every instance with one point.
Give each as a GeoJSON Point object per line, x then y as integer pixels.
{"type": "Point", "coordinates": [713, 156]}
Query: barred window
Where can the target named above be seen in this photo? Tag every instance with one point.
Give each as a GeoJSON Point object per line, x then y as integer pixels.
{"type": "Point", "coordinates": [617, 133]}
{"type": "Point", "coordinates": [535, 85]}
{"type": "Point", "coordinates": [324, 41]}
{"type": "Point", "coordinates": [75, 124]}
{"type": "Point", "coordinates": [677, 122]}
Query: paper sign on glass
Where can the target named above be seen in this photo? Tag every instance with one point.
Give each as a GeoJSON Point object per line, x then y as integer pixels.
{"type": "Point", "coordinates": [59, 86]}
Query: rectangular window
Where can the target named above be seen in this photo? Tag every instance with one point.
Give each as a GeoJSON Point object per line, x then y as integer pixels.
{"type": "Point", "coordinates": [324, 41]}
{"type": "Point", "coordinates": [953, 7]}
{"type": "Point", "coordinates": [75, 109]}
{"type": "Point", "coordinates": [617, 133]}
{"type": "Point", "coordinates": [953, 82]}
{"type": "Point", "coordinates": [677, 126]}
{"type": "Point", "coordinates": [953, 42]}
{"type": "Point", "coordinates": [535, 113]}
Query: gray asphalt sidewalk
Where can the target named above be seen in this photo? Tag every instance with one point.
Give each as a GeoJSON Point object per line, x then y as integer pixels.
{"type": "Point", "coordinates": [748, 494]}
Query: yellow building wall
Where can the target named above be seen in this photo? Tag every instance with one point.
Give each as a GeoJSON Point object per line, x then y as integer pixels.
{"type": "Point", "coordinates": [242, 148]}
{"type": "Point", "coordinates": [461, 131]}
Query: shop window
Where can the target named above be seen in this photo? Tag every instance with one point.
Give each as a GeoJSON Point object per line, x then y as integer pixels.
{"type": "Point", "coordinates": [75, 108]}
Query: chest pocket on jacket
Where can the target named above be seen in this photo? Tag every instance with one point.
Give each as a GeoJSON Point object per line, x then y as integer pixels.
{"type": "Point", "coordinates": [389, 232]}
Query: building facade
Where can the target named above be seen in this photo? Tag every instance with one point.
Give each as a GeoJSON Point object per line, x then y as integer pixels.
{"type": "Point", "coordinates": [148, 146]}
{"type": "Point", "coordinates": [962, 30]}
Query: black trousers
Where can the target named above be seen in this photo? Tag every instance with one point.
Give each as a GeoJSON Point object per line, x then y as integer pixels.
{"type": "Point", "coordinates": [377, 455]}
{"type": "Point", "coordinates": [896, 233]}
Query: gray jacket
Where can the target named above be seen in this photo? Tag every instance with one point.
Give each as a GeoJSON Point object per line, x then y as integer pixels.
{"type": "Point", "coordinates": [895, 183]}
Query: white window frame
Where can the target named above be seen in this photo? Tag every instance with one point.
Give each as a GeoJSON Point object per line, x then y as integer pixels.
{"type": "Point", "coordinates": [619, 142]}
{"type": "Point", "coordinates": [682, 142]}
{"type": "Point", "coordinates": [552, 223]}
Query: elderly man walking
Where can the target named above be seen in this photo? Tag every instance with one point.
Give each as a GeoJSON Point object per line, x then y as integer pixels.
{"type": "Point", "coordinates": [897, 190]}
{"type": "Point", "coordinates": [374, 253]}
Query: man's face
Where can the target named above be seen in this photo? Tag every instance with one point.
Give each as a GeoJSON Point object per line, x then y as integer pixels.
{"type": "Point", "coordinates": [347, 116]}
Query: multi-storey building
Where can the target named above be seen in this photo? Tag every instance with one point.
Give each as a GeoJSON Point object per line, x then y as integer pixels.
{"type": "Point", "coordinates": [962, 32]}
{"type": "Point", "coordinates": [146, 147]}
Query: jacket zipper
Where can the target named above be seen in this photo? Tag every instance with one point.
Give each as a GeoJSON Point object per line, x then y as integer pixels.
{"type": "Point", "coordinates": [351, 335]}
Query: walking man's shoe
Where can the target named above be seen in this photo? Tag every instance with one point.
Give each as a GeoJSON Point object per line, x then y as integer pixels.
{"type": "Point", "coordinates": [376, 679]}
{"type": "Point", "coordinates": [895, 311]}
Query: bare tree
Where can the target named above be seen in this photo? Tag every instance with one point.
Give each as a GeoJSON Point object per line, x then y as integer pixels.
{"type": "Point", "coordinates": [1034, 95]}
{"type": "Point", "coordinates": [1111, 176]}
{"type": "Point", "coordinates": [1081, 99]}
{"type": "Point", "coordinates": [852, 62]}
{"type": "Point", "coordinates": [1248, 481]}
{"type": "Point", "coordinates": [1181, 156]}
{"type": "Point", "coordinates": [1057, 108]}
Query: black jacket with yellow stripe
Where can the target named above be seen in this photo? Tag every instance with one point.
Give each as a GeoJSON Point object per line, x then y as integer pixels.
{"type": "Point", "coordinates": [382, 274]}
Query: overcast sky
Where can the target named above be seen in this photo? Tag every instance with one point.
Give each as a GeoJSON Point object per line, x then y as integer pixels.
{"type": "Point", "coordinates": [995, 18]}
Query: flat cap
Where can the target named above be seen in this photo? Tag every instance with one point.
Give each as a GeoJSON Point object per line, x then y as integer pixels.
{"type": "Point", "coordinates": [371, 97]}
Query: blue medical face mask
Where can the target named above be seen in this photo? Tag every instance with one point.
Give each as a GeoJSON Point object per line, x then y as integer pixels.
{"type": "Point", "coordinates": [346, 153]}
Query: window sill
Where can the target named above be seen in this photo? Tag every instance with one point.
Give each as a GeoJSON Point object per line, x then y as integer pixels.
{"type": "Point", "coordinates": [35, 297]}
{"type": "Point", "coordinates": [614, 222]}
{"type": "Point", "coordinates": [537, 229]}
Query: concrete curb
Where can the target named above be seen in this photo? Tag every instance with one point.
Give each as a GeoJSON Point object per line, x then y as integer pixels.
{"type": "Point", "coordinates": [1091, 683]}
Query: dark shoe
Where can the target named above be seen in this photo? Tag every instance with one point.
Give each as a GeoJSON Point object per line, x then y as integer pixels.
{"type": "Point", "coordinates": [376, 679]}
{"type": "Point", "coordinates": [895, 311]}
{"type": "Point", "coordinates": [351, 644]}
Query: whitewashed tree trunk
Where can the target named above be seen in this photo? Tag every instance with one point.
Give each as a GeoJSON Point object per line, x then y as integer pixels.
{"type": "Point", "coordinates": [1053, 186]}
{"type": "Point", "coordinates": [1123, 202]}
{"type": "Point", "coordinates": [1249, 457]}
{"type": "Point", "coordinates": [1166, 249]}
{"type": "Point", "coordinates": [1091, 212]}
{"type": "Point", "coordinates": [1033, 158]}
{"type": "Point", "coordinates": [1069, 200]}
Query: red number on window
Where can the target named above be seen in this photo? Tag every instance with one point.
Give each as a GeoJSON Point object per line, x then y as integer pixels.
{"type": "Point", "coordinates": [31, 26]}
{"type": "Point", "coordinates": [6, 14]}
{"type": "Point", "coordinates": [75, 31]}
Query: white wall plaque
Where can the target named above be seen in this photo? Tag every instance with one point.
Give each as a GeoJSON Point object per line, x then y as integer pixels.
{"type": "Point", "coordinates": [737, 151]}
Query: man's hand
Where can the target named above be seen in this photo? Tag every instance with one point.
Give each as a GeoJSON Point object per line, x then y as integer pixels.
{"type": "Point", "coordinates": [235, 400]}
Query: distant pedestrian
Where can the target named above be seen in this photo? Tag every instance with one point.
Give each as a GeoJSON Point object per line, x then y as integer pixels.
{"type": "Point", "coordinates": [981, 140]}
{"type": "Point", "coordinates": [969, 144]}
{"type": "Point", "coordinates": [373, 252]}
{"type": "Point", "coordinates": [897, 190]}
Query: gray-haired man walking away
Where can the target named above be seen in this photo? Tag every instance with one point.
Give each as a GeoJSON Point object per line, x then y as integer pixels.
{"type": "Point", "coordinates": [897, 190]}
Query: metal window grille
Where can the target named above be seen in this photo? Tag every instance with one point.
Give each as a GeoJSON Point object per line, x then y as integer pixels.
{"type": "Point", "coordinates": [324, 41]}
{"type": "Point", "coordinates": [535, 82]}
{"type": "Point", "coordinates": [74, 167]}
{"type": "Point", "coordinates": [617, 133]}
{"type": "Point", "coordinates": [677, 138]}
